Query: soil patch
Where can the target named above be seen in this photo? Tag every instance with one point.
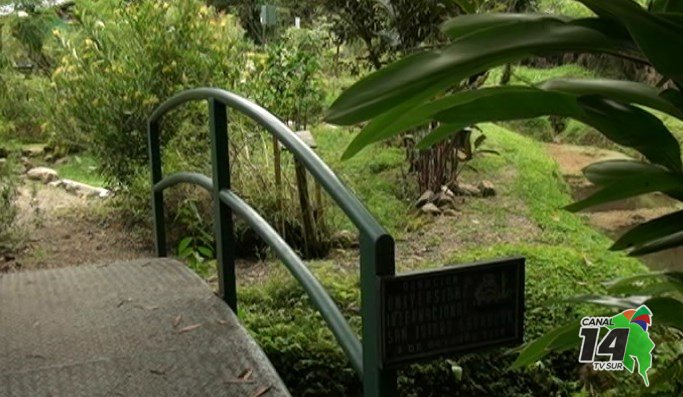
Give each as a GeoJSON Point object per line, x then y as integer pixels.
{"type": "Point", "coordinates": [62, 229]}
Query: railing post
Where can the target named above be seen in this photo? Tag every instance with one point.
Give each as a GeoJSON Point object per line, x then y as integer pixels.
{"type": "Point", "coordinates": [157, 197]}
{"type": "Point", "coordinates": [223, 227]}
{"type": "Point", "coordinates": [377, 259]}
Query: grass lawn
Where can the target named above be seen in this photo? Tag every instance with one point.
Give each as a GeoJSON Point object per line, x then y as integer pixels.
{"type": "Point", "coordinates": [81, 168]}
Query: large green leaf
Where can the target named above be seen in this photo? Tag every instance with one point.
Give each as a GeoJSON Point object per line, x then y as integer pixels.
{"type": "Point", "coordinates": [658, 37]}
{"type": "Point", "coordinates": [624, 124]}
{"type": "Point", "coordinates": [610, 301]}
{"type": "Point", "coordinates": [405, 117]}
{"type": "Point", "coordinates": [630, 126]}
{"type": "Point", "coordinates": [674, 97]}
{"type": "Point", "coordinates": [629, 187]}
{"type": "Point", "coordinates": [668, 242]}
{"type": "Point", "coordinates": [514, 102]}
{"type": "Point", "coordinates": [618, 90]}
{"type": "Point", "coordinates": [441, 132]}
{"type": "Point", "coordinates": [666, 6]}
{"type": "Point", "coordinates": [652, 283]}
{"type": "Point", "coordinates": [613, 29]}
{"type": "Point", "coordinates": [510, 103]}
{"type": "Point", "coordinates": [649, 231]}
{"type": "Point", "coordinates": [468, 24]}
{"type": "Point", "coordinates": [419, 77]}
{"type": "Point", "coordinates": [609, 171]}
{"type": "Point", "coordinates": [667, 311]}
{"type": "Point", "coordinates": [606, 172]}
{"type": "Point", "coordinates": [561, 338]}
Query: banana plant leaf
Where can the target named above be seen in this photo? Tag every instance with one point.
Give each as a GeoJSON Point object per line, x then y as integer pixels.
{"type": "Point", "coordinates": [419, 77]}
{"type": "Point", "coordinates": [619, 90]}
{"type": "Point", "coordinates": [651, 231]}
{"type": "Point", "coordinates": [630, 187]}
{"type": "Point", "coordinates": [468, 24]}
{"type": "Point", "coordinates": [666, 311]}
{"type": "Point", "coordinates": [643, 284]}
{"type": "Point", "coordinates": [668, 242]}
{"type": "Point", "coordinates": [657, 36]}
{"type": "Point", "coordinates": [626, 125]}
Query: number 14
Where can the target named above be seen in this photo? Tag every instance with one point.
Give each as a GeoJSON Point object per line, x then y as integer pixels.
{"type": "Point", "coordinates": [612, 345]}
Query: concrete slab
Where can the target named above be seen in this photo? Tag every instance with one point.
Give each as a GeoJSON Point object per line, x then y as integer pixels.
{"type": "Point", "coordinates": [141, 328]}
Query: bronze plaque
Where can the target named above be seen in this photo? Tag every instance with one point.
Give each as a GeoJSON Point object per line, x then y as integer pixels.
{"type": "Point", "coordinates": [451, 310]}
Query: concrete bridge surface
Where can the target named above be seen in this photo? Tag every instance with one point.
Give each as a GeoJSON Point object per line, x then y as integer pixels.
{"type": "Point", "coordinates": [148, 327]}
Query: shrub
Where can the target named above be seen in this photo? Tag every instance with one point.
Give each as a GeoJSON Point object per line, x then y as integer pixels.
{"type": "Point", "coordinates": [31, 32]}
{"type": "Point", "coordinates": [120, 61]}
{"type": "Point", "coordinates": [291, 77]}
{"type": "Point", "coordinates": [22, 106]}
{"type": "Point", "coordinates": [8, 209]}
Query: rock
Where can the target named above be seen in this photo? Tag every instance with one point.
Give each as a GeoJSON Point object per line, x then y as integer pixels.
{"type": "Point", "coordinates": [345, 238]}
{"type": "Point", "coordinates": [2, 163]}
{"type": "Point", "coordinates": [26, 163]}
{"type": "Point", "coordinates": [33, 150]}
{"type": "Point", "coordinates": [425, 198]}
{"type": "Point", "coordinates": [430, 208]}
{"type": "Point", "coordinates": [61, 160]}
{"type": "Point", "coordinates": [486, 188]}
{"type": "Point", "coordinates": [443, 200]}
{"type": "Point", "coordinates": [307, 137]}
{"type": "Point", "coordinates": [465, 189]}
{"type": "Point", "coordinates": [42, 174]}
{"type": "Point", "coordinates": [83, 189]}
{"type": "Point", "coordinates": [450, 212]}
{"type": "Point", "coordinates": [448, 192]}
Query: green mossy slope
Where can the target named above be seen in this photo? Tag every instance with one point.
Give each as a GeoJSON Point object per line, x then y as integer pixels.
{"type": "Point", "coordinates": [566, 258]}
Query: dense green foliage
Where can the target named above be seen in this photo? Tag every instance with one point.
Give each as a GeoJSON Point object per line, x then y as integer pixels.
{"type": "Point", "coordinates": [8, 212]}
{"type": "Point", "coordinates": [404, 95]}
{"type": "Point", "coordinates": [103, 92]}
{"type": "Point", "coordinates": [290, 77]}
{"type": "Point", "coordinates": [401, 96]}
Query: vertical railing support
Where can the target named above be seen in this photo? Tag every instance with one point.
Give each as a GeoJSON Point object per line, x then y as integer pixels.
{"type": "Point", "coordinates": [223, 226]}
{"type": "Point", "coordinates": [154, 146]}
{"type": "Point", "coordinates": [377, 259]}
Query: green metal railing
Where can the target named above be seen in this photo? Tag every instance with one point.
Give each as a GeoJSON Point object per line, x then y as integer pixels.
{"type": "Point", "coordinates": [376, 245]}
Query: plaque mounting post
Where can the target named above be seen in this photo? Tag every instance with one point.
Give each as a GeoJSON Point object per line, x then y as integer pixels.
{"type": "Point", "coordinates": [377, 260]}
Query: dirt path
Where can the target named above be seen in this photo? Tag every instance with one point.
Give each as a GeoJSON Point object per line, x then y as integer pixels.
{"type": "Point", "coordinates": [62, 229]}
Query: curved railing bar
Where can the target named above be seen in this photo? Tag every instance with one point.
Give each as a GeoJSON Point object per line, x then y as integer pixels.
{"type": "Point", "coordinates": [315, 291]}
{"type": "Point", "coordinates": [376, 245]}
{"type": "Point", "coordinates": [352, 207]}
